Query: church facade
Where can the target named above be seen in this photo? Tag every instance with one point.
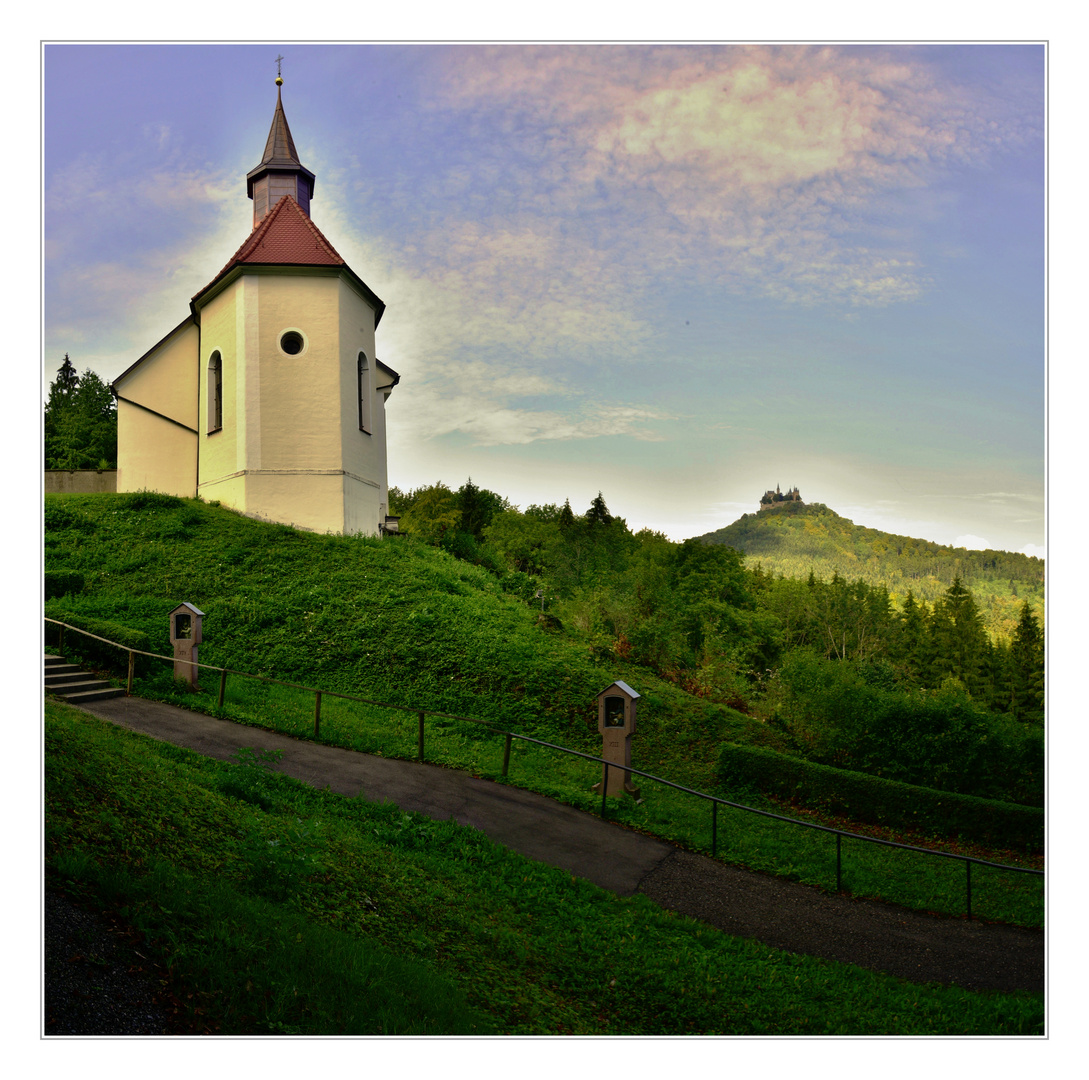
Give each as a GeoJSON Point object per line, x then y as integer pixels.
{"type": "Point", "coordinates": [268, 397]}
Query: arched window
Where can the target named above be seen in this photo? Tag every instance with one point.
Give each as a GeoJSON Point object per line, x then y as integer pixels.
{"type": "Point", "coordinates": [215, 392]}
{"type": "Point", "coordinates": [364, 394]}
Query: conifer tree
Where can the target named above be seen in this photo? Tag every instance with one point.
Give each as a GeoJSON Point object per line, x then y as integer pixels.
{"type": "Point", "coordinates": [1027, 664]}
{"type": "Point", "coordinates": [959, 644]}
{"type": "Point", "coordinates": [80, 424]}
{"type": "Point", "coordinates": [567, 518]}
{"type": "Point", "coordinates": [910, 647]}
{"type": "Point", "coordinates": [474, 509]}
{"type": "Point", "coordinates": [598, 514]}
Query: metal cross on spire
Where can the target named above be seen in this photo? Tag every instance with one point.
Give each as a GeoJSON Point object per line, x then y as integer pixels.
{"type": "Point", "coordinates": [279, 74]}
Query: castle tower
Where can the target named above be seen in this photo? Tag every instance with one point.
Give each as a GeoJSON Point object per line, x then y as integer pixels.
{"type": "Point", "coordinates": [269, 397]}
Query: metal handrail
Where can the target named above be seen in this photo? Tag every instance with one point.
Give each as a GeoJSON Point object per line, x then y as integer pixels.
{"type": "Point", "coordinates": [715, 800]}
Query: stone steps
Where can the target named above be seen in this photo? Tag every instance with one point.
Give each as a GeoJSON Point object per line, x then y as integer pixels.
{"type": "Point", "coordinates": [67, 681]}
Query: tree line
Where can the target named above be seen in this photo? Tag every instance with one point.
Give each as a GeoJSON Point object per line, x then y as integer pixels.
{"type": "Point", "coordinates": [765, 644]}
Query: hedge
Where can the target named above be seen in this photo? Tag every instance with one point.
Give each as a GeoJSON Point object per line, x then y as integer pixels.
{"type": "Point", "coordinates": [61, 583]}
{"type": "Point", "coordinates": [86, 649]}
{"type": "Point", "coordinates": [882, 802]}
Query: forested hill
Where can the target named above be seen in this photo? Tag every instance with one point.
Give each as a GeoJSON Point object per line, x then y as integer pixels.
{"type": "Point", "coordinates": [796, 539]}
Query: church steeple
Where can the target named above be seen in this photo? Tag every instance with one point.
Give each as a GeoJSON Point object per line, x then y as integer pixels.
{"type": "Point", "coordinates": [280, 171]}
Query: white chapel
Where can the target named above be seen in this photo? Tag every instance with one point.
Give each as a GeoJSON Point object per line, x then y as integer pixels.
{"type": "Point", "coordinates": [268, 397]}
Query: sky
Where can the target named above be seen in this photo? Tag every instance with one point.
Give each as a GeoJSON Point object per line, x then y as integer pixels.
{"type": "Point", "coordinates": [676, 274]}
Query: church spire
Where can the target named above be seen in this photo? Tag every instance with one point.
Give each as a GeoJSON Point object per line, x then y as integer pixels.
{"type": "Point", "coordinates": [280, 171]}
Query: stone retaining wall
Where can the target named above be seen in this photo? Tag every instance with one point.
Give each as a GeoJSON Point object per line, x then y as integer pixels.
{"type": "Point", "coordinates": [80, 481]}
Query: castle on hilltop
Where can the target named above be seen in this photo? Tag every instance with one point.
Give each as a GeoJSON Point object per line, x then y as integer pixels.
{"type": "Point", "coordinates": [773, 498]}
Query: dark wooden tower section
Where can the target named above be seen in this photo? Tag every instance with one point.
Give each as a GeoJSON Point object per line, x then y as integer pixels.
{"type": "Point", "coordinates": [280, 172]}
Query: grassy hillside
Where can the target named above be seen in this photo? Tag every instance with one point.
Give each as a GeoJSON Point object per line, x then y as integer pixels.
{"type": "Point", "coordinates": [403, 622]}
{"type": "Point", "coordinates": [277, 908]}
{"type": "Point", "coordinates": [796, 539]}
{"type": "Point", "coordinates": [392, 620]}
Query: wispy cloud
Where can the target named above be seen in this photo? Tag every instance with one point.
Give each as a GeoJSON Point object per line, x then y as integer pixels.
{"type": "Point", "coordinates": [128, 242]}
{"type": "Point", "coordinates": [486, 421]}
{"type": "Point", "coordinates": [583, 177]}
{"type": "Point", "coordinates": [759, 168]}
{"type": "Point", "coordinates": [972, 543]}
{"type": "Point", "coordinates": [550, 204]}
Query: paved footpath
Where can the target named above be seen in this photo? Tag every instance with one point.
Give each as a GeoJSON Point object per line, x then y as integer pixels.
{"type": "Point", "coordinates": [797, 918]}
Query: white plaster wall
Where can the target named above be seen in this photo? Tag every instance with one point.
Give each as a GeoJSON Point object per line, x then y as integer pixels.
{"type": "Point", "coordinates": [299, 395]}
{"type": "Point", "coordinates": [290, 448]}
{"type": "Point", "coordinates": [364, 452]}
{"type": "Point", "coordinates": [308, 501]}
{"type": "Point", "coordinates": [152, 453]}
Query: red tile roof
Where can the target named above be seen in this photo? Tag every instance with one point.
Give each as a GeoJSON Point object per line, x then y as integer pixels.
{"type": "Point", "coordinates": [287, 237]}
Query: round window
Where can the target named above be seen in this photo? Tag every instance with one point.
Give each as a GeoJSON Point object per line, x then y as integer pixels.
{"type": "Point", "coordinates": [292, 342]}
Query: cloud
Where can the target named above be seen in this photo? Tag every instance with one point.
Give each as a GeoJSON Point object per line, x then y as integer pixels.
{"type": "Point", "coordinates": [760, 169]}
{"type": "Point", "coordinates": [1037, 551]}
{"type": "Point", "coordinates": [972, 543]}
{"type": "Point", "coordinates": [576, 190]}
{"type": "Point", "coordinates": [127, 244]}
{"type": "Point", "coordinates": [487, 417]}
{"type": "Point", "coordinates": [582, 178]}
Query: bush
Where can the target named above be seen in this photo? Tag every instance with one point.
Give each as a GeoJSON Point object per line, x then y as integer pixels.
{"type": "Point", "coordinates": [81, 648]}
{"type": "Point", "coordinates": [149, 500]}
{"type": "Point", "coordinates": [62, 583]}
{"type": "Point", "coordinates": [879, 801]}
{"type": "Point", "coordinates": [57, 517]}
{"type": "Point", "coordinates": [851, 716]}
{"type": "Point", "coordinates": [524, 586]}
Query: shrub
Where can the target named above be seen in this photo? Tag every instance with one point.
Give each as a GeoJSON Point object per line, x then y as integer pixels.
{"type": "Point", "coordinates": [149, 500]}
{"type": "Point", "coordinates": [57, 517]}
{"type": "Point", "coordinates": [80, 647]}
{"type": "Point", "coordinates": [62, 583]}
{"type": "Point", "coordinates": [852, 716]}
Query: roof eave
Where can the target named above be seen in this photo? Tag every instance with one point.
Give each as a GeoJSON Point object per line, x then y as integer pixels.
{"type": "Point", "coordinates": [279, 166]}
{"type": "Point", "coordinates": [232, 273]}
{"type": "Point", "coordinates": [389, 371]}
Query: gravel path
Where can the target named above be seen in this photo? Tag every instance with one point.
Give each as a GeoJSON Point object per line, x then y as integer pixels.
{"type": "Point", "coordinates": [97, 981]}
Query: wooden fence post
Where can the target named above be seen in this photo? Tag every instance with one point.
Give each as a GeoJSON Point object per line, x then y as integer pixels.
{"type": "Point", "coordinates": [317, 712]}
{"type": "Point", "coordinates": [222, 688]}
{"type": "Point", "coordinates": [132, 671]}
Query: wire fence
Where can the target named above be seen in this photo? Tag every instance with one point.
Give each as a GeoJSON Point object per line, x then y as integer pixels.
{"type": "Point", "coordinates": [715, 801]}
